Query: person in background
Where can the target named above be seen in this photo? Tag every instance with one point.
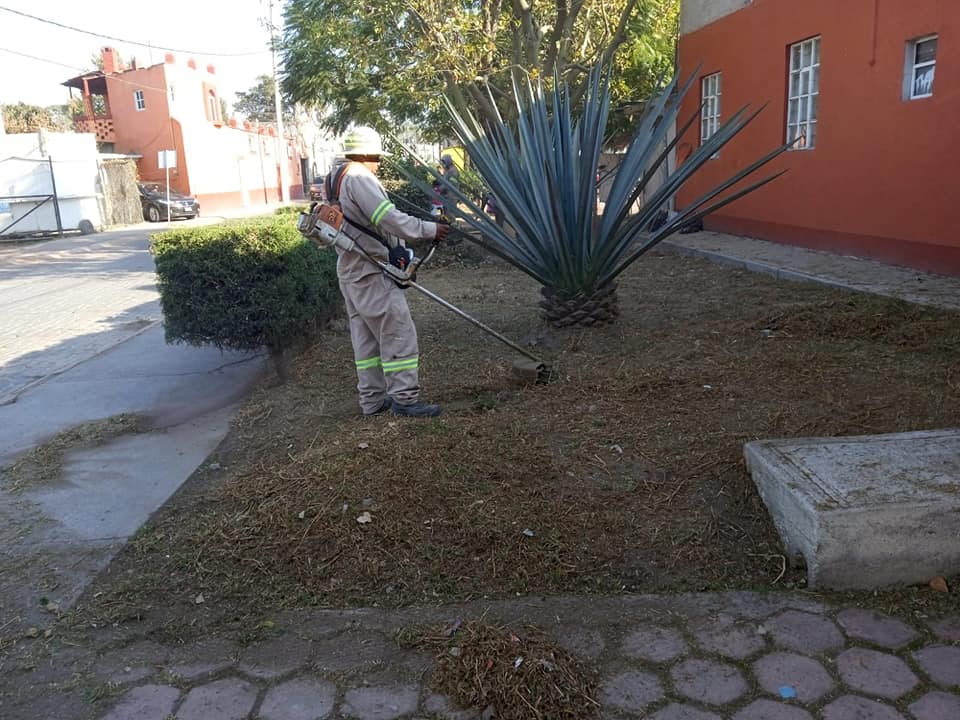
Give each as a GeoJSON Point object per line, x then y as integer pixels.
{"type": "Point", "coordinates": [449, 170]}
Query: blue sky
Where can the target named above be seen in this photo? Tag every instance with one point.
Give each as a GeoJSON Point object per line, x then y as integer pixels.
{"type": "Point", "coordinates": [225, 26]}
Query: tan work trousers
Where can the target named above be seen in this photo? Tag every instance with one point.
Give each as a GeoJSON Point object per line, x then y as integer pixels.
{"type": "Point", "coordinates": [384, 341]}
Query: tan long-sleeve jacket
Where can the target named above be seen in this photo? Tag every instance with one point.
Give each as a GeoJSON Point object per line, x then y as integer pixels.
{"type": "Point", "coordinates": [364, 202]}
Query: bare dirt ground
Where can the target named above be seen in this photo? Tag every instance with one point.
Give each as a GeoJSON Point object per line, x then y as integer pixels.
{"type": "Point", "coordinates": [625, 475]}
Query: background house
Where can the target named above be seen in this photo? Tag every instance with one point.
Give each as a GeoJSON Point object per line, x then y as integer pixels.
{"type": "Point", "coordinates": [175, 105]}
{"type": "Point", "coordinates": [871, 88]}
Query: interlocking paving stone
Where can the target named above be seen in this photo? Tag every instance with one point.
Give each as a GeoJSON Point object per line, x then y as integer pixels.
{"type": "Point", "coordinates": [147, 702]}
{"type": "Point", "coordinates": [631, 690]}
{"type": "Point", "coordinates": [202, 658]}
{"type": "Point", "coordinates": [729, 637]}
{"type": "Point", "coordinates": [230, 699]}
{"type": "Point", "coordinates": [724, 635]}
{"type": "Point", "coordinates": [936, 706]}
{"type": "Point", "coordinates": [354, 650]}
{"type": "Point", "coordinates": [851, 707]}
{"type": "Point", "coordinates": [656, 644]}
{"type": "Point", "coordinates": [769, 710]}
{"type": "Point", "coordinates": [805, 675]}
{"type": "Point", "coordinates": [805, 633]}
{"type": "Point", "coordinates": [275, 657]}
{"type": "Point", "coordinates": [384, 702]}
{"type": "Point", "coordinates": [300, 699]}
{"type": "Point", "coordinates": [683, 712]}
{"type": "Point", "coordinates": [583, 643]}
{"type": "Point", "coordinates": [132, 663]}
{"type": "Point", "coordinates": [708, 681]}
{"type": "Point", "coordinates": [875, 673]}
{"type": "Point", "coordinates": [947, 628]}
{"type": "Point", "coordinates": [443, 708]}
{"type": "Point", "coordinates": [875, 627]}
{"type": "Point", "coordinates": [941, 663]}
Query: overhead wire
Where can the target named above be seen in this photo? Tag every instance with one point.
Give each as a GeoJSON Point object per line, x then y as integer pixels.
{"type": "Point", "coordinates": [78, 69]}
{"type": "Point", "coordinates": [131, 42]}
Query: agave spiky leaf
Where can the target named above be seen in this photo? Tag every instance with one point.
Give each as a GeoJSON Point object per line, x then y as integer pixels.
{"type": "Point", "coordinates": [542, 169]}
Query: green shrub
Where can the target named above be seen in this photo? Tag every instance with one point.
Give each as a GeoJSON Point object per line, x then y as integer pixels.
{"type": "Point", "coordinates": [244, 285]}
{"type": "Point", "coordinates": [291, 209]}
{"type": "Point", "coordinates": [407, 196]}
{"type": "Point", "coordinates": [472, 185]}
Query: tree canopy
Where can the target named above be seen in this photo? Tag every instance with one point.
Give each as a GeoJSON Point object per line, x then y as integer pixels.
{"type": "Point", "coordinates": [257, 103]}
{"type": "Point", "coordinates": [389, 61]}
{"type": "Point", "coordinates": [24, 118]}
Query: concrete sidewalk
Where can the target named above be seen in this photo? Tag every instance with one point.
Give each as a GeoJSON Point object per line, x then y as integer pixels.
{"type": "Point", "coordinates": [787, 262]}
{"type": "Point", "coordinates": [81, 341]}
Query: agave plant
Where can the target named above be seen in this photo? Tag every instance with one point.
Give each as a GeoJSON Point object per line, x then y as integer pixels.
{"type": "Point", "coordinates": [542, 169]}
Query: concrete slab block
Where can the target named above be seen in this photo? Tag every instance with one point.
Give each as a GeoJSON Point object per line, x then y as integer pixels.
{"type": "Point", "coordinates": [864, 512]}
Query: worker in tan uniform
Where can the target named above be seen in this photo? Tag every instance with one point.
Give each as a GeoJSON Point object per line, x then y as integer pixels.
{"type": "Point", "coordinates": [381, 329]}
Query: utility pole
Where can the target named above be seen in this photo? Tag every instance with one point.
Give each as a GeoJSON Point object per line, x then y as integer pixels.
{"type": "Point", "coordinates": [282, 160]}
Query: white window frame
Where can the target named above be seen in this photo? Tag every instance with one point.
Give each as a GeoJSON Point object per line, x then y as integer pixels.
{"type": "Point", "coordinates": [803, 93]}
{"type": "Point", "coordinates": [911, 66]}
{"type": "Point", "coordinates": [139, 100]}
{"type": "Point", "coordinates": [711, 91]}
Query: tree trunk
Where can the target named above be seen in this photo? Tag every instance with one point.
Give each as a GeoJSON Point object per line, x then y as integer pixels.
{"type": "Point", "coordinates": [561, 309]}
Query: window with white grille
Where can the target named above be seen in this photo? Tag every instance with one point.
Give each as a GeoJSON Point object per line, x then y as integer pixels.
{"type": "Point", "coordinates": [803, 93]}
{"type": "Point", "coordinates": [921, 65]}
{"type": "Point", "coordinates": [710, 91]}
{"type": "Point", "coordinates": [139, 100]}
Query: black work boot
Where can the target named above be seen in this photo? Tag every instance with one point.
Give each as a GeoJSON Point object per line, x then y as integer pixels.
{"type": "Point", "coordinates": [384, 407]}
{"type": "Point", "coordinates": [417, 409]}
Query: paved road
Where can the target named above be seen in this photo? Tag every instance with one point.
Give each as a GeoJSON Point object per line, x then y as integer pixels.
{"type": "Point", "coordinates": [65, 301]}
{"type": "Point", "coordinates": [81, 340]}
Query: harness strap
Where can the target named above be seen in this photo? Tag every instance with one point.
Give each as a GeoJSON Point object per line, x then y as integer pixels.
{"type": "Point", "coordinates": [333, 183]}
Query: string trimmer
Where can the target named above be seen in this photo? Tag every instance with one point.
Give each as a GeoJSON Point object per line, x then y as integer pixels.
{"type": "Point", "coordinates": [324, 226]}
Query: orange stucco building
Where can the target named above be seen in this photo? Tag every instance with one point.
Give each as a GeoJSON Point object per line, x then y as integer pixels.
{"type": "Point", "coordinates": [175, 105]}
{"type": "Point", "coordinates": [872, 90]}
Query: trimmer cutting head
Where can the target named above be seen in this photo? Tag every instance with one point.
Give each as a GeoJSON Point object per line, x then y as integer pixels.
{"type": "Point", "coordinates": [534, 371]}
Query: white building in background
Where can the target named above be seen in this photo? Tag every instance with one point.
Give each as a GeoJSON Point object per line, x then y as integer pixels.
{"type": "Point", "coordinates": [36, 166]}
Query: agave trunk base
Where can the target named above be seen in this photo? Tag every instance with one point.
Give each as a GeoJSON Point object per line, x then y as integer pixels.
{"type": "Point", "coordinates": [561, 309]}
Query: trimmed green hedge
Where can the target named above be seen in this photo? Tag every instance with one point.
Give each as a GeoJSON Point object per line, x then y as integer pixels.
{"type": "Point", "coordinates": [244, 285]}
{"type": "Point", "coordinates": [291, 209]}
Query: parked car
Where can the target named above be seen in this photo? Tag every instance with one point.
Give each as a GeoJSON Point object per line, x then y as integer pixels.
{"type": "Point", "coordinates": [153, 199]}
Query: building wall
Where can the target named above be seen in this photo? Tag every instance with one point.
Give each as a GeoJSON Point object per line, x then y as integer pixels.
{"type": "Point", "coordinates": [148, 131]}
{"type": "Point", "coordinates": [219, 164]}
{"type": "Point", "coordinates": [695, 14]}
{"type": "Point", "coordinates": [884, 175]}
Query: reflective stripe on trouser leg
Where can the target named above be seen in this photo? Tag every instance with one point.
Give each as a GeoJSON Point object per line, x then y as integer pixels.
{"type": "Point", "coordinates": [395, 366]}
{"type": "Point", "coordinates": [399, 351]}
{"type": "Point", "coordinates": [382, 306]}
{"type": "Point", "coordinates": [371, 383]}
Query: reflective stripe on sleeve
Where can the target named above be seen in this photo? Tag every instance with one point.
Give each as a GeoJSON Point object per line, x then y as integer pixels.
{"type": "Point", "coordinates": [382, 209]}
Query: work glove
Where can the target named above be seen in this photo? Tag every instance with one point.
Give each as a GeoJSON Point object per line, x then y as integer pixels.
{"type": "Point", "coordinates": [443, 231]}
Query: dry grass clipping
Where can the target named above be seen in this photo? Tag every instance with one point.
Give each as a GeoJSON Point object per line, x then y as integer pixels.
{"type": "Point", "coordinates": [626, 475]}
{"type": "Point", "coordinates": [45, 462]}
{"type": "Point", "coordinates": [508, 676]}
